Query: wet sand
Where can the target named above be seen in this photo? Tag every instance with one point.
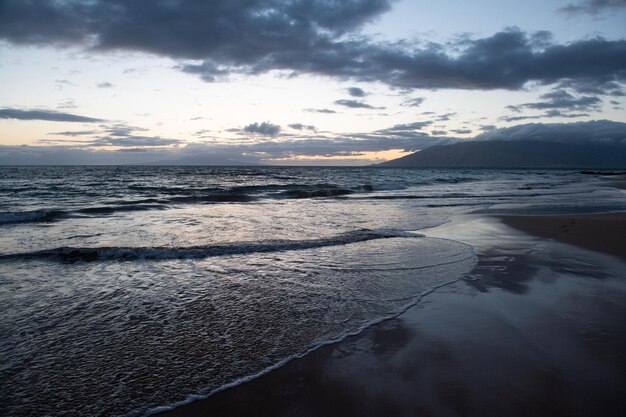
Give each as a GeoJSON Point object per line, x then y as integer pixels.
{"type": "Point", "coordinates": [600, 232]}
{"type": "Point", "coordinates": [537, 329]}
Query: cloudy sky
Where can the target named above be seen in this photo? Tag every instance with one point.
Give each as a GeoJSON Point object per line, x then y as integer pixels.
{"type": "Point", "coordinates": [297, 81]}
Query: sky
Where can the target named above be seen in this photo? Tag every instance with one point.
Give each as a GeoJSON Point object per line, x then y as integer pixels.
{"type": "Point", "coordinates": [298, 82]}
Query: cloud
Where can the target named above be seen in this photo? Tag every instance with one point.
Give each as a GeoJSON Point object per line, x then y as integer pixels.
{"type": "Point", "coordinates": [599, 131]}
{"type": "Point", "coordinates": [462, 131]}
{"type": "Point", "coordinates": [300, 126]}
{"type": "Point", "coordinates": [356, 104]}
{"type": "Point", "coordinates": [443, 117]}
{"type": "Point", "coordinates": [561, 99]}
{"type": "Point", "coordinates": [593, 7]}
{"type": "Point", "coordinates": [118, 135]}
{"type": "Point", "coordinates": [413, 102]}
{"type": "Point", "coordinates": [105, 84]}
{"type": "Point", "coordinates": [67, 104]}
{"type": "Point", "coordinates": [264, 129]}
{"type": "Point", "coordinates": [520, 118]}
{"type": "Point", "coordinates": [310, 144]}
{"type": "Point", "coordinates": [210, 154]}
{"type": "Point", "coordinates": [134, 141]}
{"type": "Point", "coordinates": [217, 38]}
{"type": "Point", "coordinates": [75, 133]}
{"type": "Point", "coordinates": [407, 127]}
{"type": "Point", "coordinates": [604, 131]}
{"type": "Point", "coordinates": [325, 111]}
{"type": "Point", "coordinates": [594, 86]}
{"type": "Point", "coordinates": [547, 114]}
{"type": "Point", "coordinates": [196, 29]}
{"type": "Point", "coordinates": [48, 115]}
{"type": "Point", "coordinates": [356, 92]}
{"type": "Point", "coordinates": [558, 113]}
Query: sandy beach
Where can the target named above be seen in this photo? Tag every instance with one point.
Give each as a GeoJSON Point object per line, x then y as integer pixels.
{"type": "Point", "coordinates": [537, 329]}
{"type": "Point", "coordinates": [600, 232]}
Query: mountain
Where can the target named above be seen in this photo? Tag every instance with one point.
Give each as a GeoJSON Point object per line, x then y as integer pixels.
{"type": "Point", "coordinates": [516, 154]}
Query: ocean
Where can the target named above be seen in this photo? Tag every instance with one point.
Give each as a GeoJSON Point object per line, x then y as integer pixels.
{"type": "Point", "coordinates": [129, 290]}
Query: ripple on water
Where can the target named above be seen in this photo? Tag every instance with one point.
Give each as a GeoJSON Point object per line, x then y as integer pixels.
{"type": "Point", "coordinates": [109, 337]}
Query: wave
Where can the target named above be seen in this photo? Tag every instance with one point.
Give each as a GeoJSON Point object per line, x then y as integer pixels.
{"type": "Point", "coordinates": [213, 198]}
{"type": "Point", "coordinates": [449, 196]}
{"type": "Point", "coordinates": [120, 253]}
{"type": "Point", "coordinates": [298, 190]}
{"type": "Point", "coordinates": [239, 195]}
{"type": "Point", "coordinates": [115, 209]}
{"type": "Point", "coordinates": [327, 192]}
{"type": "Point", "coordinates": [455, 180]}
{"type": "Point", "coordinates": [50, 215]}
{"type": "Point", "coordinates": [29, 216]}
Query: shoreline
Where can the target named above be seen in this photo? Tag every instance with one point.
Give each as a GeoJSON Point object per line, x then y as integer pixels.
{"type": "Point", "coordinates": [377, 372]}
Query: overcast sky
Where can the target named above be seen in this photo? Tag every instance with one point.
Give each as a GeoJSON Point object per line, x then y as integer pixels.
{"type": "Point", "coordinates": [297, 81]}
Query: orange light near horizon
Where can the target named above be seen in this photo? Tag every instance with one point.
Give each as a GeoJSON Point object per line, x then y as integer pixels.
{"type": "Point", "coordinates": [372, 156]}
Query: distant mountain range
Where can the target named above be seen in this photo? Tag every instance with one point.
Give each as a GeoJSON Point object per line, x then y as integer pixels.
{"type": "Point", "coordinates": [596, 144]}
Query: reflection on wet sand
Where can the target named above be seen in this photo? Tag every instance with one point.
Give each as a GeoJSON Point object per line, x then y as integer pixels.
{"type": "Point", "coordinates": [536, 329]}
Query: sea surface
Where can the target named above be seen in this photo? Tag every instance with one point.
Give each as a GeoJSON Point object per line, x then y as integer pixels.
{"type": "Point", "coordinates": [128, 290]}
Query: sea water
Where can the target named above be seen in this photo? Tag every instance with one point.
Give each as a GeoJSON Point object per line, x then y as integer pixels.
{"type": "Point", "coordinates": [125, 290]}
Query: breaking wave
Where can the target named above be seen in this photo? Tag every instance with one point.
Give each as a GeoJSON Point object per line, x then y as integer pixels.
{"type": "Point", "coordinates": [117, 253]}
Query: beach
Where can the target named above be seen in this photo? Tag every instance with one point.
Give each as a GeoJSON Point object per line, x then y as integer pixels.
{"type": "Point", "coordinates": [600, 232]}
{"type": "Point", "coordinates": [536, 329]}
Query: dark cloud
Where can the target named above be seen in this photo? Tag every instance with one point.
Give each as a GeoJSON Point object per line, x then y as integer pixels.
{"type": "Point", "coordinates": [593, 7]}
{"type": "Point", "coordinates": [121, 129]}
{"type": "Point", "coordinates": [356, 104]}
{"type": "Point", "coordinates": [118, 135]}
{"type": "Point", "coordinates": [215, 38]}
{"type": "Point", "coordinates": [462, 131]}
{"type": "Point", "coordinates": [561, 99]}
{"type": "Point", "coordinates": [520, 118]}
{"type": "Point", "coordinates": [443, 117]}
{"type": "Point", "coordinates": [264, 129]}
{"type": "Point", "coordinates": [558, 113]}
{"type": "Point", "coordinates": [207, 70]}
{"type": "Point", "coordinates": [593, 86]}
{"type": "Point", "coordinates": [547, 114]}
{"type": "Point", "coordinates": [604, 131]}
{"type": "Point", "coordinates": [356, 92]}
{"type": "Point", "coordinates": [134, 141]}
{"type": "Point", "coordinates": [413, 102]}
{"type": "Point", "coordinates": [195, 28]}
{"type": "Point", "coordinates": [407, 127]}
{"type": "Point", "coordinates": [506, 60]}
{"type": "Point", "coordinates": [105, 84]}
{"type": "Point", "coordinates": [439, 132]}
{"type": "Point", "coordinates": [47, 115]}
{"type": "Point", "coordinates": [300, 126]}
